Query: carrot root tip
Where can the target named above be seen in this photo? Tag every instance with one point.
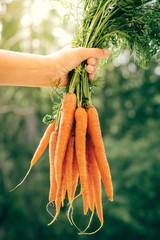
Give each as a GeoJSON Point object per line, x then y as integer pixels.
{"type": "Point", "coordinates": [81, 233]}
{"type": "Point", "coordinates": [55, 218]}
{"type": "Point", "coordinates": [49, 203]}
{"type": "Point", "coordinates": [68, 214]}
{"type": "Point", "coordinates": [22, 179]}
{"type": "Point", "coordinates": [90, 220]}
{"type": "Point", "coordinates": [73, 220]}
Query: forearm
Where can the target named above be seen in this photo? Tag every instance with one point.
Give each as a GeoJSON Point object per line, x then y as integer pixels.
{"type": "Point", "coordinates": [21, 69]}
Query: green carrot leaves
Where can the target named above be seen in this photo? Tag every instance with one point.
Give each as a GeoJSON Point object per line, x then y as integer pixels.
{"type": "Point", "coordinates": [120, 24]}
{"type": "Point", "coordinates": [117, 25]}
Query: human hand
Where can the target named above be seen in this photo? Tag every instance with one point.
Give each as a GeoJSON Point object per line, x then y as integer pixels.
{"type": "Point", "coordinates": [69, 58]}
{"type": "Point", "coordinates": [33, 70]}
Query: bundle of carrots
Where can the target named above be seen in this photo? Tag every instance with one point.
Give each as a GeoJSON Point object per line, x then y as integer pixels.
{"type": "Point", "coordinates": [76, 148]}
{"type": "Point", "coordinates": [76, 151]}
{"type": "Point", "coordinates": [82, 156]}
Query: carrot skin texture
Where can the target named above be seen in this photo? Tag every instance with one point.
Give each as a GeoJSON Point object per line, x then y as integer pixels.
{"type": "Point", "coordinates": [95, 133]}
{"type": "Point", "coordinates": [90, 180]}
{"type": "Point", "coordinates": [69, 164]}
{"type": "Point", "coordinates": [66, 122]}
{"type": "Point", "coordinates": [53, 184]}
{"type": "Point", "coordinates": [58, 197]}
{"type": "Point", "coordinates": [75, 175]}
{"type": "Point", "coordinates": [43, 143]}
{"type": "Point", "coordinates": [64, 185]}
{"type": "Point", "coordinates": [80, 145]}
{"type": "Point", "coordinates": [90, 191]}
{"type": "Point", "coordinates": [96, 179]}
{"type": "Point", "coordinates": [58, 203]}
{"type": "Point", "coordinates": [85, 200]}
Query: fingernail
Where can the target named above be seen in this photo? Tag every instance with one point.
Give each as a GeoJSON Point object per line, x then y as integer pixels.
{"type": "Point", "coordinates": [107, 52]}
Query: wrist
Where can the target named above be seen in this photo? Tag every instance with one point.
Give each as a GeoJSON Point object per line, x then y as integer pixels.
{"type": "Point", "coordinates": [50, 68]}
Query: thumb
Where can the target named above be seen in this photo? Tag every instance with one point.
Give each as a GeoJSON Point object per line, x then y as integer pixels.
{"type": "Point", "coordinates": [74, 56]}
{"type": "Point", "coordinates": [85, 53]}
{"type": "Point", "coordinates": [81, 54]}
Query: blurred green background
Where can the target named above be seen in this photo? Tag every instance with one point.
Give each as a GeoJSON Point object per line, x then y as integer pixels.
{"type": "Point", "coordinates": [129, 111]}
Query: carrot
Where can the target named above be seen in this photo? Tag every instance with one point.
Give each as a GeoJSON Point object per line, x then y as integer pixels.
{"type": "Point", "coordinates": [69, 161]}
{"type": "Point", "coordinates": [43, 143]}
{"type": "Point", "coordinates": [90, 191]}
{"type": "Point", "coordinates": [67, 182]}
{"type": "Point", "coordinates": [53, 184]}
{"type": "Point", "coordinates": [96, 179]}
{"type": "Point", "coordinates": [58, 202]}
{"type": "Point", "coordinates": [88, 200]}
{"type": "Point", "coordinates": [90, 180]}
{"type": "Point", "coordinates": [75, 175]}
{"type": "Point", "coordinates": [87, 195]}
{"type": "Point", "coordinates": [85, 200]}
{"type": "Point", "coordinates": [66, 122]}
{"type": "Point", "coordinates": [64, 188]}
{"type": "Point", "coordinates": [80, 144]}
{"type": "Point", "coordinates": [39, 151]}
{"type": "Point", "coordinates": [64, 183]}
{"type": "Point", "coordinates": [99, 150]}
{"type": "Point", "coordinates": [59, 195]}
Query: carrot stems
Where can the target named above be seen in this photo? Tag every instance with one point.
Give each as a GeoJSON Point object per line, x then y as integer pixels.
{"type": "Point", "coordinates": [75, 79]}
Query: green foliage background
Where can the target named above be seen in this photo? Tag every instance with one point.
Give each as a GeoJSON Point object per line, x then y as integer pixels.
{"type": "Point", "coordinates": [129, 109]}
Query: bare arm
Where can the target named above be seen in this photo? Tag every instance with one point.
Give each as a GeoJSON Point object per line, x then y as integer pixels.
{"type": "Point", "coordinates": [22, 69]}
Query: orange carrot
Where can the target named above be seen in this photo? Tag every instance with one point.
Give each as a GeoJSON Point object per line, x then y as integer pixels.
{"type": "Point", "coordinates": [85, 200]}
{"type": "Point", "coordinates": [99, 150]}
{"type": "Point", "coordinates": [69, 161]}
{"type": "Point", "coordinates": [64, 188]}
{"type": "Point", "coordinates": [58, 203]}
{"type": "Point", "coordinates": [90, 191]}
{"type": "Point", "coordinates": [53, 184]}
{"type": "Point", "coordinates": [90, 180]}
{"type": "Point", "coordinates": [64, 183]}
{"type": "Point", "coordinates": [96, 179]}
{"type": "Point", "coordinates": [80, 144]}
{"type": "Point", "coordinates": [66, 123]}
{"type": "Point", "coordinates": [75, 175]}
{"type": "Point", "coordinates": [67, 182]}
{"type": "Point", "coordinates": [39, 151]}
{"type": "Point", "coordinates": [43, 143]}
{"type": "Point", "coordinates": [59, 195]}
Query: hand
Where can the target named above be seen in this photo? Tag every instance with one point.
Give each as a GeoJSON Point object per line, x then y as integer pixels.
{"type": "Point", "coordinates": [32, 70]}
{"type": "Point", "coordinates": [69, 58]}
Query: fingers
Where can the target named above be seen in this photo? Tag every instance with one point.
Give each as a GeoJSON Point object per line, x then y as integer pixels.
{"type": "Point", "coordinates": [92, 55]}
{"type": "Point", "coordinates": [91, 67]}
{"type": "Point", "coordinates": [91, 77]}
{"type": "Point", "coordinates": [92, 61]}
{"type": "Point", "coordinates": [91, 72]}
